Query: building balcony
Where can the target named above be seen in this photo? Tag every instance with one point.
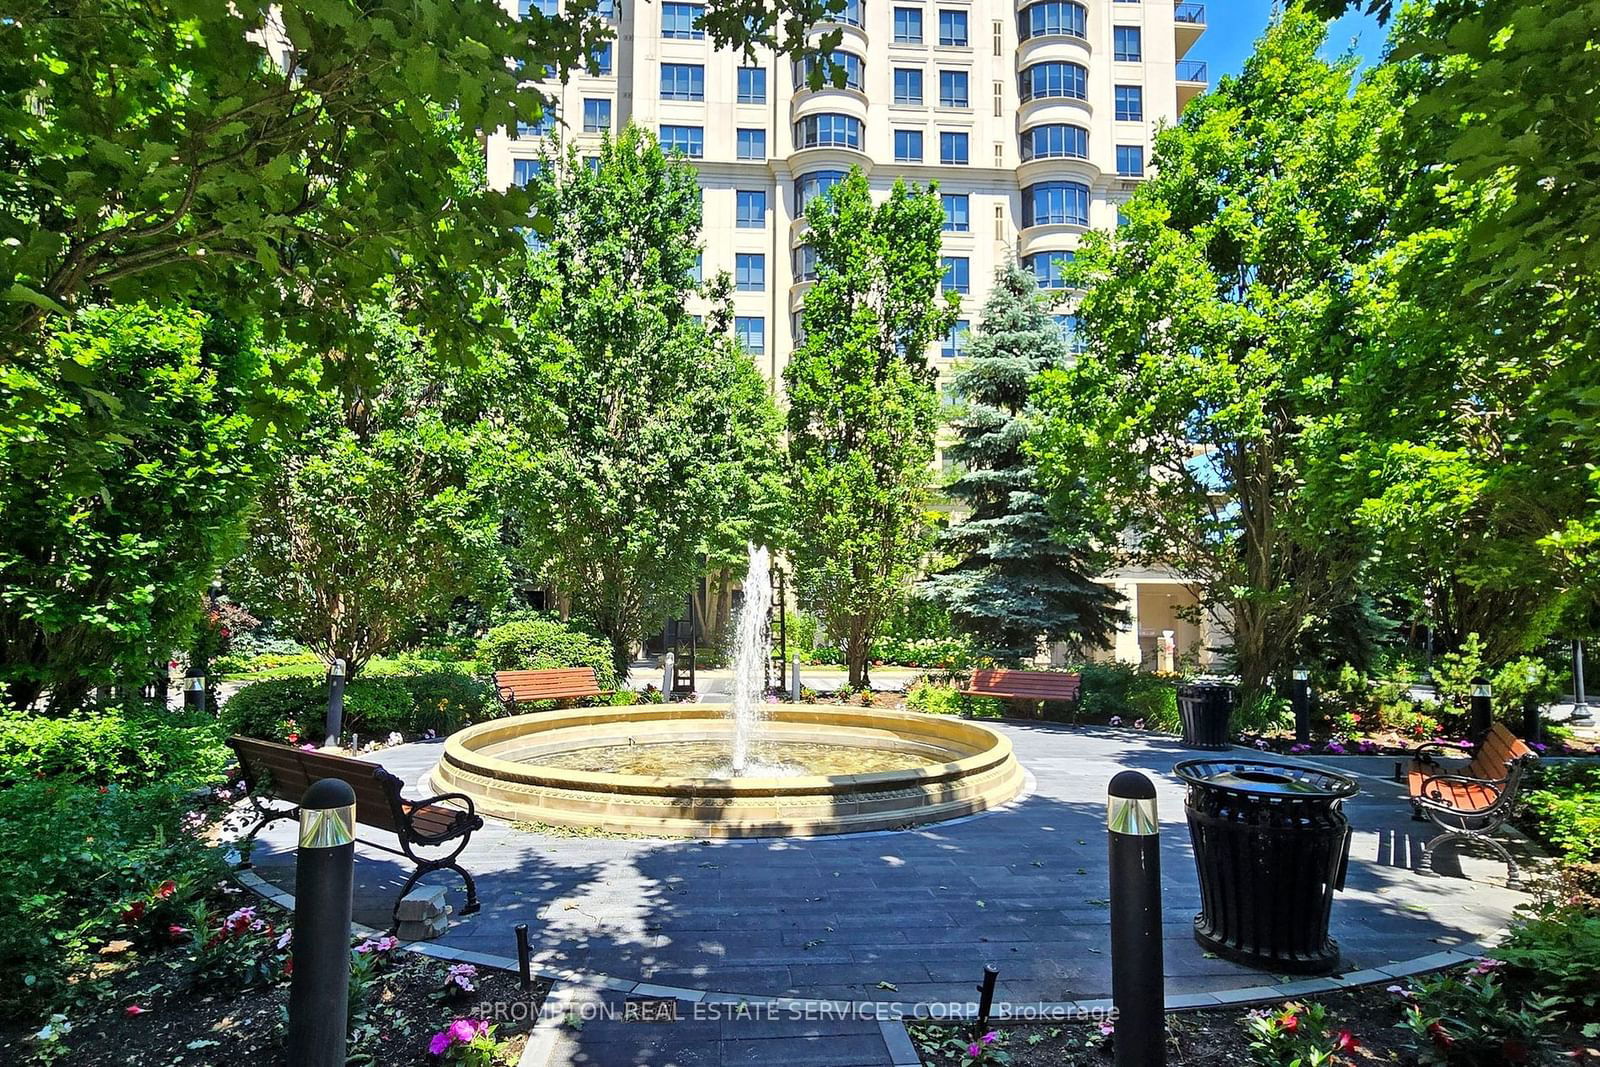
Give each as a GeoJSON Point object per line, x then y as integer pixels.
{"type": "Point", "coordinates": [1188, 23]}
{"type": "Point", "coordinates": [1192, 78]}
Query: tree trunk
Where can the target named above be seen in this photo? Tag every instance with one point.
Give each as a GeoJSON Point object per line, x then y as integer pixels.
{"type": "Point", "coordinates": [21, 693]}
{"type": "Point", "coordinates": [857, 647]}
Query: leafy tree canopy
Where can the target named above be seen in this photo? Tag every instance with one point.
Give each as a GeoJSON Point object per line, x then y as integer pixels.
{"type": "Point", "coordinates": [863, 410]}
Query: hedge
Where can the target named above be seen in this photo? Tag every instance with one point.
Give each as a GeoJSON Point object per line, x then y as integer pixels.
{"type": "Point", "coordinates": [441, 701]}
{"type": "Point", "coordinates": [103, 746]}
{"type": "Point", "coordinates": [539, 644]}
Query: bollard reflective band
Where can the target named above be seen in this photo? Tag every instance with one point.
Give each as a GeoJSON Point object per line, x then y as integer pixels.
{"type": "Point", "coordinates": [1481, 691]}
{"type": "Point", "coordinates": [1135, 817]}
{"type": "Point", "coordinates": [327, 827]}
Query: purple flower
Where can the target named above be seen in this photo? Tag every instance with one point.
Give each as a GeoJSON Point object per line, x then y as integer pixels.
{"type": "Point", "coordinates": [991, 1037]}
{"type": "Point", "coordinates": [438, 1043]}
{"type": "Point", "coordinates": [1463, 743]}
{"type": "Point", "coordinates": [1336, 748]}
{"type": "Point", "coordinates": [1116, 720]}
{"type": "Point", "coordinates": [1540, 746]}
{"type": "Point", "coordinates": [1261, 743]}
{"type": "Point", "coordinates": [462, 974]}
{"type": "Point", "coordinates": [1106, 1028]}
{"type": "Point", "coordinates": [464, 1030]}
{"type": "Point", "coordinates": [974, 1050]}
{"type": "Point", "coordinates": [1295, 750]}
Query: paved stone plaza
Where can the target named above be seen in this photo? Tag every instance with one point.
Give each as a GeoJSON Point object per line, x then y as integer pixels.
{"type": "Point", "coordinates": [922, 911]}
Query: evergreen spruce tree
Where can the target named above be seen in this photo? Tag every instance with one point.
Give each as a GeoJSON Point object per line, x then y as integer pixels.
{"type": "Point", "coordinates": [1014, 574]}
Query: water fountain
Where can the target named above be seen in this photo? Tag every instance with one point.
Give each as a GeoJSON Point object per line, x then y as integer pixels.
{"type": "Point", "coordinates": [743, 768]}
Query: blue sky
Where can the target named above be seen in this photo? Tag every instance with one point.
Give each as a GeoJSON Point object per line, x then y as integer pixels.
{"type": "Point", "coordinates": [1234, 25]}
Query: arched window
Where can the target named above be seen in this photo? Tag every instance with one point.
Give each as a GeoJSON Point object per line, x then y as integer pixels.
{"type": "Point", "coordinates": [1055, 141]}
{"type": "Point", "coordinates": [1053, 79]}
{"type": "Point", "coordinates": [1054, 18]}
{"type": "Point", "coordinates": [1055, 204]}
{"type": "Point", "coordinates": [852, 64]}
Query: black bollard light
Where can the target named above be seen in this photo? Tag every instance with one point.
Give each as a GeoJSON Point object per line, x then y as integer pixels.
{"type": "Point", "coordinates": [319, 989]}
{"type": "Point", "coordinates": [1580, 699]}
{"type": "Point", "coordinates": [524, 956]}
{"type": "Point", "coordinates": [986, 995]}
{"type": "Point", "coordinates": [335, 723]}
{"type": "Point", "coordinates": [1137, 981]}
{"type": "Point", "coordinates": [1300, 695]}
{"type": "Point", "coordinates": [194, 689]}
{"type": "Point", "coordinates": [1482, 708]}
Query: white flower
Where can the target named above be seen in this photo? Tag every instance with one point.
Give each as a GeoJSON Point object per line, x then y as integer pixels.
{"type": "Point", "coordinates": [395, 738]}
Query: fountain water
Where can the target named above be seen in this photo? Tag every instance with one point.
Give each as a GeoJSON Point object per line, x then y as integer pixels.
{"type": "Point", "coordinates": [750, 656]}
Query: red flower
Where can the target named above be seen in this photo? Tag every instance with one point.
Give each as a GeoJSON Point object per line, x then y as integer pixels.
{"type": "Point", "coordinates": [1440, 1036]}
{"type": "Point", "coordinates": [105, 789]}
{"type": "Point", "coordinates": [1289, 1022]}
{"type": "Point", "coordinates": [132, 1010]}
{"type": "Point", "coordinates": [1346, 1042]}
{"type": "Point", "coordinates": [288, 966]}
{"type": "Point", "coordinates": [293, 737]}
{"type": "Point", "coordinates": [175, 931]}
{"type": "Point", "coordinates": [166, 889]}
{"type": "Point", "coordinates": [133, 913]}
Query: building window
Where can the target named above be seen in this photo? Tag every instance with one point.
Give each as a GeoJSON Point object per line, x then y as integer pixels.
{"type": "Point", "coordinates": [1055, 141]}
{"type": "Point", "coordinates": [828, 131]}
{"type": "Point", "coordinates": [908, 25]}
{"type": "Point", "coordinates": [750, 209]}
{"type": "Point", "coordinates": [818, 183]}
{"type": "Point", "coordinates": [1055, 204]}
{"type": "Point", "coordinates": [805, 264]}
{"type": "Point", "coordinates": [1000, 222]}
{"type": "Point", "coordinates": [524, 171]}
{"type": "Point", "coordinates": [689, 140]}
{"type": "Point", "coordinates": [999, 99]}
{"type": "Point", "coordinates": [908, 146]}
{"type": "Point", "coordinates": [751, 331]}
{"type": "Point", "coordinates": [592, 162]}
{"type": "Point", "coordinates": [698, 273]}
{"type": "Point", "coordinates": [600, 59]}
{"type": "Point", "coordinates": [850, 63]}
{"type": "Point", "coordinates": [683, 81]}
{"type": "Point", "coordinates": [1130, 103]}
{"type": "Point", "coordinates": [750, 272]}
{"type": "Point", "coordinates": [1130, 160]}
{"type": "Point", "coordinates": [851, 15]}
{"type": "Point", "coordinates": [543, 126]}
{"type": "Point", "coordinates": [1047, 268]}
{"type": "Point", "coordinates": [999, 37]}
{"type": "Point", "coordinates": [953, 89]}
{"type": "Point", "coordinates": [952, 27]}
{"type": "Point", "coordinates": [957, 274]}
{"type": "Point", "coordinates": [752, 85]}
{"type": "Point", "coordinates": [1126, 44]}
{"type": "Point", "coordinates": [682, 21]}
{"type": "Point", "coordinates": [1053, 19]}
{"type": "Point", "coordinates": [953, 148]}
{"type": "Point", "coordinates": [955, 341]}
{"type": "Point", "coordinates": [547, 8]}
{"type": "Point", "coordinates": [1071, 334]}
{"type": "Point", "coordinates": [1053, 79]}
{"type": "Point", "coordinates": [596, 115]}
{"type": "Point", "coordinates": [750, 144]}
{"type": "Point", "coordinates": [956, 217]}
{"type": "Point", "coordinates": [907, 85]}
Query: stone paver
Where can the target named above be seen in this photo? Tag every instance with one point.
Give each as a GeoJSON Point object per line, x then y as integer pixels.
{"type": "Point", "coordinates": [845, 918]}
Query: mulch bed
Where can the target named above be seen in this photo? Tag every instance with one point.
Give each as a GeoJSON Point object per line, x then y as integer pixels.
{"type": "Point", "coordinates": [1214, 1038]}
{"type": "Point", "coordinates": [196, 1028]}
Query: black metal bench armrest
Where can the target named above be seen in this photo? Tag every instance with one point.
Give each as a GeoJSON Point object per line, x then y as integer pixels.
{"type": "Point", "coordinates": [1427, 801]}
{"type": "Point", "coordinates": [1424, 753]}
{"type": "Point", "coordinates": [462, 826]}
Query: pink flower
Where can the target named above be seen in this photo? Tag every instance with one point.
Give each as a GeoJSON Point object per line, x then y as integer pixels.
{"type": "Point", "coordinates": [464, 1030]}
{"type": "Point", "coordinates": [1346, 1042]}
{"type": "Point", "coordinates": [461, 975]}
{"type": "Point", "coordinates": [1116, 720]}
{"type": "Point", "coordinates": [283, 941]}
{"type": "Point", "coordinates": [133, 1010]}
{"type": "Point", "coordinates": [1107, 1028]}
{"type": "Point", "coordinates": [1487, 965]}
{"type": "Point", "coordinates": [991, 1037]}
{"type": "Point", "coordinates": [974, 1050]}
{"type": "Point", "coordinates": [166, 889]}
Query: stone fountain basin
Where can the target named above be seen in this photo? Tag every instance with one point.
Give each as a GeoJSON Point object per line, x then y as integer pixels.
{"type": "Point", "coordinates": [496, 764]}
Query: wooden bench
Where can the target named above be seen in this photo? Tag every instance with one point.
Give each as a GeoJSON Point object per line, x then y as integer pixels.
{"type": "Point", "coordinates": [560, 684]}
{"type": "Point", "coordinates": [1474, 804]}
{"type": "Point", "coordinates": [282, 772]}
{"type": "Point", "coordinates": [1036, 687]}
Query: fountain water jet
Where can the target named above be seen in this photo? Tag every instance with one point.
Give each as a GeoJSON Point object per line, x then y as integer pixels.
{"type": "Point", "coordinates": [752, 651]}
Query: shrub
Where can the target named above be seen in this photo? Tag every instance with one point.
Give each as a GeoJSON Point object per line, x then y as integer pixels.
{"type": "Point", "coordinates": [133, 747]}
{"type": "Point", "coordinates": [274, 708]}
{"type": "Point", "coordinates": [536, 644]}
{"type": "Point", "coordinates": [943, 653]}
{"type": "Point", "coordinates": [1557, 954]}
{"type": "Point", "coordinates": [1468, 1020]}
{"type": "Point", "coordinates": [1157, 704]}
{"type": "Point", "coordinates": [935, 698]}
{"type": "Point", "coordinates": [445, 700]}
{"type": "Point", "coordinates": [1563, 809]}
{"type": "Point", "coordinates": [1122, 690]}
{"type": "Point", "coordinates": [234, 663]}
{"type": "Point", "coordinates": [1297, 1036]}
{"type": "Point", "coordinates": [77, 862]}
{"type": "Point", "coordinates": [439, 700]}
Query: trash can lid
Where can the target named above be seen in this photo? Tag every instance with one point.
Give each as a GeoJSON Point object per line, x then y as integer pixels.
{"type": "Point", "coordinates": [1266, 778]}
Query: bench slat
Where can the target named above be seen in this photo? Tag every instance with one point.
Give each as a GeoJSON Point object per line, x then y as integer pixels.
{"type": "Point", "coordinates": [1024, 685]}
{"type": "Point", "coordinates": [555, 683]}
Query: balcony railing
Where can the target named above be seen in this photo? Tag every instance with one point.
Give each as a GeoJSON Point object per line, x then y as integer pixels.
{"type": "Point", "coordinates": [1190, 70]}
{"type": "Point", "coordinates": [1191, 13]}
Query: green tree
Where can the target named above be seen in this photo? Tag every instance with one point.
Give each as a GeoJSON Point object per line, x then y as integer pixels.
{"type": "Point", "coordinates": [650, 440]}
{"type": "Point", "coordinates": [385, 510]}
{"type": "Point", "coordinates": [1220, 316]}
{"type": "Point", "coordinates": [280, 159]}
{"type": "Point", "coordinates": [1017, 575]}
{"type": "Point", "coordinates": [132, 440]}
{"type": "Point", "coordinates": [863, 410]}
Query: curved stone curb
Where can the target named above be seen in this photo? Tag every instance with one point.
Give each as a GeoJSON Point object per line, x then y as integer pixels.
{"type": "Point", "coordinates": [1063, 1009]}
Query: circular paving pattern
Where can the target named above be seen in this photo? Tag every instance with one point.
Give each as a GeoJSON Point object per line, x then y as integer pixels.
{"type": "Point", "coordinates": [847, 917]}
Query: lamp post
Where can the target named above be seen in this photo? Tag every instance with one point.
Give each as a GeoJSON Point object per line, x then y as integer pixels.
{"type": "Point", "coordinates": [1580, 703]}
{"type": "Point", "coordinates": [1482, 708]}
{"type": "Point", "coordinates": [1300, 695]}
{"type": "Point", "coordinates": [1532, 722]}
{"type": "Point", "coordinates": [335, 723]}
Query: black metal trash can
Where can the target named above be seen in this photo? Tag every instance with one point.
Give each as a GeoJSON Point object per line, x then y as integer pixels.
{"type": "Point", "coordinates": [1205, 709]}
{"type": "Point", "coordinates": [1271, 845]}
